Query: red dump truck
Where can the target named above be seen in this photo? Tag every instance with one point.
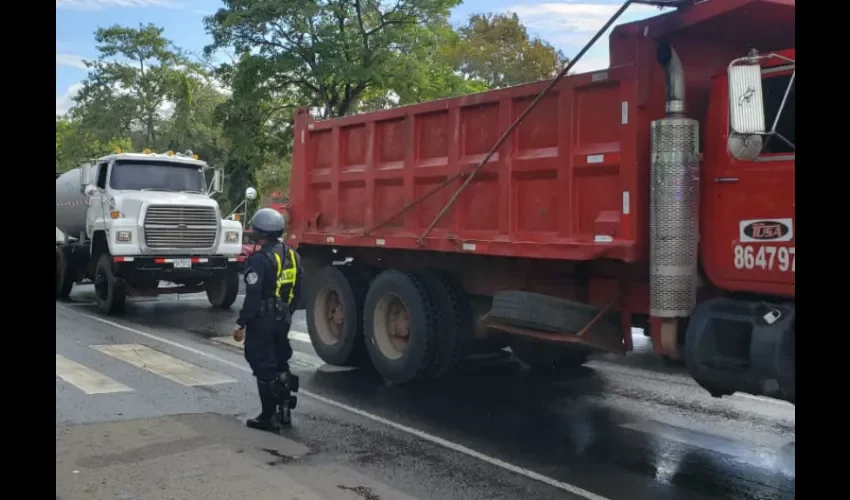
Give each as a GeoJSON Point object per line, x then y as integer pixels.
{"type": "Point", "coordinates": [657, 193]}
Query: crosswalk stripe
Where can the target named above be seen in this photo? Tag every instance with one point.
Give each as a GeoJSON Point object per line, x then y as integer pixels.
{"type": "Point", "coordinates": [298, 358]}
{"type": "Point", "coordinates": [293, 335]}
{"type": "Point", "coordinates": [86, 379]}
{"type": "Point", "coordinates": [299, 336]}
{"type": "Point", "coordinates": [163, 365]}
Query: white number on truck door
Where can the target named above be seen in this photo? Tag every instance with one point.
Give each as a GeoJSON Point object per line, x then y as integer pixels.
{"type": "Point", "coordinates": [765, 258]}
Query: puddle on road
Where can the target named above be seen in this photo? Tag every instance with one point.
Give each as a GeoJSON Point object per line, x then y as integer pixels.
{"type": "Point", "coordinates": [361, 491]}
{"type": "Point", "coordinates": [280, 458]}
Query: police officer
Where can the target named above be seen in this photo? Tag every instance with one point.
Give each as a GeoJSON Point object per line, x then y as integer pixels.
{"type": "Point", "coordinates": [273, 282]}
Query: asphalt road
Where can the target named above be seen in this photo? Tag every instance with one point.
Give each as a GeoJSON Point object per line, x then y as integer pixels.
{"type": "Point", "coordinates": [622, 428]}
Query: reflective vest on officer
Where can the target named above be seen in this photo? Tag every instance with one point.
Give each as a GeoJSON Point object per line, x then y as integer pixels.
{"type": "Point", "coordinates": [285, 278]}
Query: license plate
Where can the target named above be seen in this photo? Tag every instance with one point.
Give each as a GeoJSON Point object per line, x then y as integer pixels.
{"type": "Point", "coordinates": [182, 263]}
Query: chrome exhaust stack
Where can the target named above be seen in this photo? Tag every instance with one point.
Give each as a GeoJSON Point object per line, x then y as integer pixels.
{"type": "Point", "coordinates": [674, 205]}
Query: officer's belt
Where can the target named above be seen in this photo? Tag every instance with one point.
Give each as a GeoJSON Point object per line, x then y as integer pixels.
{"type": "Point", "coordinates": [275, 305]}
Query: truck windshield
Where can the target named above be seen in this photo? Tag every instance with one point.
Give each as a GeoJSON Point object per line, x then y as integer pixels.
{"type": "Point", "coordinates": [774, 92]}
{"type": "Point", "coordinates": [156, 176]}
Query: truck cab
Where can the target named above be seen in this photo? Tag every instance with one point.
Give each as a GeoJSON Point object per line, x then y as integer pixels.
{"type": "Point", "coordinates": [749, 177]}
{"type": "Point", "coordinates": [143, 219]}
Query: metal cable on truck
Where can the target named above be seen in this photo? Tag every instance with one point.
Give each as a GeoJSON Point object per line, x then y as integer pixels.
{"type": "Point", "coordinates": [471, 174]}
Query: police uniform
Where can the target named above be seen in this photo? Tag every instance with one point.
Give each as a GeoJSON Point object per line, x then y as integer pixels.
{"type": "Point", "coordinates": [273, 283]}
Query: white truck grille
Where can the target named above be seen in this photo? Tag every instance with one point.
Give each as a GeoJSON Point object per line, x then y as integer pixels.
{"type": "Point", "coordinates": [178, 226]}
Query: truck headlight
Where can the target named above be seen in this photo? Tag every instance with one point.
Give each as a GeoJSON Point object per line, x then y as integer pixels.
{"type": "Point", "coordinates": [231, 237]}
{"type": "Point", "coordinates": [124, 236]}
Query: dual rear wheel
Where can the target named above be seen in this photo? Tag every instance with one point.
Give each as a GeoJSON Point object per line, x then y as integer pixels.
{"type": "Point", "coordinates": [411, 326]}
{"type": "Point", "coordinates": [418, 325]}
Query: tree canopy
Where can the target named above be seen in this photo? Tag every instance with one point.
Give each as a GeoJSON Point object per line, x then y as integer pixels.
{"type": "Point", "coordinates": [336, 57]}
{"type": "Point", "coordinates": [496, 50]}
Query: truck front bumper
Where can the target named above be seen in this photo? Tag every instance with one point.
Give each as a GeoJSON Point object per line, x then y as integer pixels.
{"type": "Point", "coordinates": [173, 266]}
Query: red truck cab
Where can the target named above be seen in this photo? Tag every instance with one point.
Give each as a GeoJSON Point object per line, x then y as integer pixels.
{"type": "Point", "coordinates": [749, 204]}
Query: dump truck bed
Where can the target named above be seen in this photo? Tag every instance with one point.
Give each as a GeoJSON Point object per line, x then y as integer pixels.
{"type": "Point", "coordinates": [564, 186]}
{"type": "Point", "coordinates": [570, 183]}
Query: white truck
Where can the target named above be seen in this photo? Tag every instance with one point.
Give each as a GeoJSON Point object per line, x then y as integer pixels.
{"type": "Point", "coordinates": [131, 222]}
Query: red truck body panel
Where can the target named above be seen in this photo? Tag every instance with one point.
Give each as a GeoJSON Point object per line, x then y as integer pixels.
{"type": "Point", "coordinates": [572, 182]}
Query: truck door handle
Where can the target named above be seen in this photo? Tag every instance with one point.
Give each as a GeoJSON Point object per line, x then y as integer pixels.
{"type": "Point", "coordinates": [725, 180]}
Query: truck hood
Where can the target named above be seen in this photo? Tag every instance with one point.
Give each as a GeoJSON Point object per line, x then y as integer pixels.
{"type": "Point", "coordinates": [130, 202]}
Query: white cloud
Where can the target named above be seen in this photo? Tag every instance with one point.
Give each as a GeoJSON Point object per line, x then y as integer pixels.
{"type": "Point", "coordinates": [589, 63]}
{"type": "Point", "coordinates": [104, 4]}
{"type": "Point", "coordinates": [572, 18]}
{"type": "Point", "coordinates": [70, 60]}
{"type": "Point", "coordinates": [66, 101]}
{"type": "Point", "coordinates": [570, 24]}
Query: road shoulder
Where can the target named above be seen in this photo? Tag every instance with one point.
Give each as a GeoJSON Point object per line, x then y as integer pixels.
{"type": "Point", "coordinates": [193, 456]}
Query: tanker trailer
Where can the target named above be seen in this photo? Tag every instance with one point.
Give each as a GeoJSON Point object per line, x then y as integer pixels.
{"type": "Point", "coordinates": [134, 220]}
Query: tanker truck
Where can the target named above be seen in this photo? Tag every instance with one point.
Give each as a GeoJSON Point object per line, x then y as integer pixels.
{"type": "Point", "coordinates": [131, 222]}
{"type": "Point", "coordinates": [554, 217]}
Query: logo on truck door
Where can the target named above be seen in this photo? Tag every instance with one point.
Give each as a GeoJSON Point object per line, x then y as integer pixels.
{"type": "Point", "coordinates": [765, 257]}
{"type": "Point", "coordinates": [766, 230]}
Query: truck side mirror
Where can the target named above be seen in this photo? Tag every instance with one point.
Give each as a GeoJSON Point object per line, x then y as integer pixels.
{"type": "Point", "coordinates": [85, 174]}
{"type": "Point", "coordinates": [216, 181]}
{"type": "Point", "coordinates": [746, 104]}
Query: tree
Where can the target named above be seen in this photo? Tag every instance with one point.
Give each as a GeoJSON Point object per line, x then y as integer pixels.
{"type": "Point", "coordinates": [130, 82]}
{"type": "Point", "coordinates": [194, 123]}
{"type": "Point", "coordinates": [327, 54]}
{"type": "Point", "coordinates": [258, 127]}
{"type": "Point", "coordinates": [496, 50]}
{"type": "Point", "coordinates": [75, 144]}
{"type": "Point", "coordinates": [425, 72]}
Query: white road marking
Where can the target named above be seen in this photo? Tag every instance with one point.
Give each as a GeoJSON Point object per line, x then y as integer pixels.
{"type": "Point", "coordinates": [228, 340]}
{"type": "Point", "coordinates": [163, 365]}
{"type": "Point", "coordinates": [298, 358]}
{"type": "Point", "coordinates": [145, 300]}
{"type": "Point", "coordinates": [575, 490]}
{"type": "Point", "coordinates": [702, 440]}
{"type": "Point", "coordinates": [86, 379]}
{"type": "Point", "coordinates": [293, 335]}
{"type": "Point", "coordinates": [300, 336]}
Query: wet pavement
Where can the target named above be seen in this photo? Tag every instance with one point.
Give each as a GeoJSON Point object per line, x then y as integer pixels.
{"type": "Point", "coordinates": [619, 428]}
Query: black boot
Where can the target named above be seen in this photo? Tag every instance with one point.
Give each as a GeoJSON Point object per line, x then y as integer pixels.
{"type": "Point", "coordinates": [282, 388]}
{"type": "Point", "coordinates": [266, 419]}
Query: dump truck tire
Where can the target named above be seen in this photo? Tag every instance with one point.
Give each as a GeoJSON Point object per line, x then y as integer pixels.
{"type": "Point", "coordinates": [334, 313]}
{"type": "Point", "coordinates": [400, 327]}
{"type": "Point", "coordinates": [453, 323]}
{"type": "Point", "coordinates": [549, 314]}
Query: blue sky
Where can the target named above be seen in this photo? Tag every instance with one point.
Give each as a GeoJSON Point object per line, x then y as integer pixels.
{"type": "Point", "coordinates": [566, 24]}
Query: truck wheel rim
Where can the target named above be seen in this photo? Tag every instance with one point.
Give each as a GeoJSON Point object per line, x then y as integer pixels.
{"type": "Point", "coordinates": [329, 316]}
{"type": "Point", "coordinates": [391, 326]}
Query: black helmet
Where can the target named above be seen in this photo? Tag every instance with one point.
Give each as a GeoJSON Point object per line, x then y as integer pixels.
{"type": "Point", "coordinates": [268, 222]}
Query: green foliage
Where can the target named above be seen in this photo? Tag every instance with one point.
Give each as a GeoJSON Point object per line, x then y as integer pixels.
{"type": "Point", "coordinates": [496, 50]}
{"type": "Point", "coordinates": [424, 71]}
{"type": "Point", "coordinates": [142, 92]}
{"type": "Point", "coordinates": [336, 57]}
{"type": "Point", "coordinates": [75, 144]}
{"type": "Point", "coordinates": [130, 82]}
{"type": "Point", "coordinates": [325, 54]}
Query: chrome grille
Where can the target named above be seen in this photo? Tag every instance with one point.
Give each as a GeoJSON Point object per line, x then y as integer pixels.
{"type": "Point", "coordinates": [178, 226]}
